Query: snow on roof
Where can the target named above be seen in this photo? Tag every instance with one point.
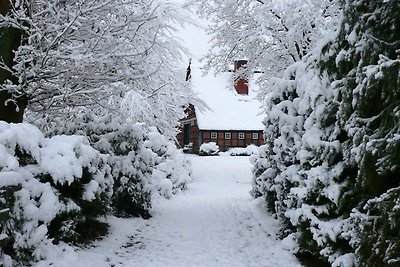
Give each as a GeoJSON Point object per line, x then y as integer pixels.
{"type": "Point", "coordinates": [227, 109]}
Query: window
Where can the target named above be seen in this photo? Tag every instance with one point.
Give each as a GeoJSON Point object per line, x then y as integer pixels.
{"type": "Point", "coordinates": [241, 136]}
{"type": "Point", "coordinates": [255, 135]}
{"type": "Point", "coordinates": [213, 135]}
{"type": "Point", "coordinates": [227, 135]}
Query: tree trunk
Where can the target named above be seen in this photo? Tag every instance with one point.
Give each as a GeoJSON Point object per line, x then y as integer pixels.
{"type": "Point", "coordinates": [12, 106]}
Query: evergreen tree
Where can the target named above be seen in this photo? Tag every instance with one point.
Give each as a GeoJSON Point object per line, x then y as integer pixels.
{"type": "Point", "coordinates": [368, 77]}
{"type": "Point", "coordinates": [333, 141]}
{"type": "Point", "coordinates": [365, 64]}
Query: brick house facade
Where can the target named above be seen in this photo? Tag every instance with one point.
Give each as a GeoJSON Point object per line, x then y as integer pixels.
{"type": "Point", "coordinates": [234, 138]}
{"type": "Point", "coordinates": [191, 137]}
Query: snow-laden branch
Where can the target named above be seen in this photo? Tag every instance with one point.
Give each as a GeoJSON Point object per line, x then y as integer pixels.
{"type": "Point", "coordinates": [271, 34]}
{"type": "Point", "coordinates": [84, 53]}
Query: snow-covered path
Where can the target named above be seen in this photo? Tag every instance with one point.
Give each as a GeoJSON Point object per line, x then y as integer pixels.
{"type": "Point", "coordinates": [214, 223]}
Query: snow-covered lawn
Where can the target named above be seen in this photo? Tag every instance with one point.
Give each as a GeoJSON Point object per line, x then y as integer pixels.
{"type": "Point", "coordinates": [214, 223]}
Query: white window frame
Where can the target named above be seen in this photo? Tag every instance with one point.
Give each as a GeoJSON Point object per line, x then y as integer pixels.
{"type": "Point", "coordinates": [241, 136]}
{"type": "Point", "coordinates": [214, 135]}
{"type": "Point", "coordinates": [255, 136]}
{"type": "Point", "coordinates": [228, 136]}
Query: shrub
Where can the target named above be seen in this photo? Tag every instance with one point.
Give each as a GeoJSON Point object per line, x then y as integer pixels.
{"type": "Point", "coordinates": [209, 149]}
{"type": "Point", "coordinates": [143, 162]}
{"type": "Point", "coordinates": [65, 185]}
{"type": "Point", "coordinates": [243, 151]}
{"type": "Point", "coordinates": [173, 170]}
{"type": "Point", "coordinates": [69, 181]}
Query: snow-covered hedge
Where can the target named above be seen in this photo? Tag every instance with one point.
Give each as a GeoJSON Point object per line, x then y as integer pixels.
{"type": "Point", "coordinates": [330, 167]}
{"type": "Point", "coordinates": [243, 151]}
{"type": "Point", "coordinates": [68, 181]}
{"type": "Point", "coordinates": [66, 186]}
{"type": "Point", "coordinates": [209, 149]}
{"type": "Point", "coordinates": [378, 230]}
{"type": "Point", "coordinates": [298, 169]}
{"type": "Point", "coordinates": [143, 162]}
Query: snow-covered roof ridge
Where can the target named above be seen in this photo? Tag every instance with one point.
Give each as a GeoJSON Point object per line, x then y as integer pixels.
{"type": "Point", "coordinates": [228, 110]}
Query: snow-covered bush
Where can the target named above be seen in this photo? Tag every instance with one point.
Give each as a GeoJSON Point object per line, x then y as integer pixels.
{"type": "Point", "coordinates": [209, 149]}
{"type": "Point", "coordinates": [379, 237]}
{"type": "Point", "coordinates": [66, 186]}
{"type": "Point", "coordinates": [143, 162]}
{"type": "Point", "coordinates": [243, 151]}
{"type": "Point", "coordinates": [132, 166]}
{"type": "Point", "coordinates": [332, 142]}
{"type": "Point", "coordinates": [299, 169]}
{"type": "Point", "coordinates": [173, 170]}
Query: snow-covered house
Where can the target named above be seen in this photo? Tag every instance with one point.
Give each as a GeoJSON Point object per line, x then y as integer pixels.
{"type": "Point", "coordinates": [231, 118]}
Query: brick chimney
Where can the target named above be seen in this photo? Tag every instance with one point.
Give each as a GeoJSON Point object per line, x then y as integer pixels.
{"type": "Point", "coordinates": [241, 84]}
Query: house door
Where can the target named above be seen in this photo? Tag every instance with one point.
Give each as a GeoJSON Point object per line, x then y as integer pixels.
{"type": "Point", "coordinates": [186, 133]}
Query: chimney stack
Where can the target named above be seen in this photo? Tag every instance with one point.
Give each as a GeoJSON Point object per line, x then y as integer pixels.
{"type": "Point", "coordinates": [241, 84]}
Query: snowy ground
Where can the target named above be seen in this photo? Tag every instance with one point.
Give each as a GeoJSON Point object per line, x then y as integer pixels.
{"type": "Point", "coordinates": [214, 223]}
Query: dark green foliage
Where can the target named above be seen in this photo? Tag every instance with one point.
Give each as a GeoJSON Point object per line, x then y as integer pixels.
{"type": "Point", "coordinates": [7, 200]}
{"type": "Point", "coordinates": [380, 236]}
{"type": "Point", "coordinates": [310, 260]}
{"type": "Point", "coordinates": [23, 157]}
{"type": "Point", "coordinates": [270, 198]}
{"type": "Point", "coordinates": [73, 228]}
{"type": "Point", "coordinates": [91, 230]}
{"type": "Point", "coordinates": [126, 204]}
{"type": "Point", "coordinates": [68, 225]}
{"type": "Point", "coordinates": [306, 241]}
{"type": "Point", "coordinates": [369, 87]}
{"type": "Point", "coordinates": [368, 84]}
